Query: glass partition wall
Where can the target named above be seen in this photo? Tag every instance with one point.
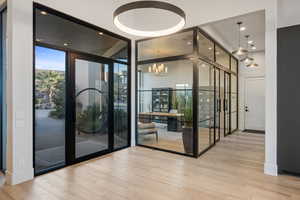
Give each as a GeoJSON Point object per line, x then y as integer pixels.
{"type": "Point", "coordinates": [186, 101]}
{"type": "Point", "coordinates": [81, 90]}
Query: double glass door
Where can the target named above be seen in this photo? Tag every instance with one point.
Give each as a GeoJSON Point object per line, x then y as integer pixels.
{"type": "Point", "coordinates": [81, 108]}
{"type": "Point", "coordinates": [222, 104]}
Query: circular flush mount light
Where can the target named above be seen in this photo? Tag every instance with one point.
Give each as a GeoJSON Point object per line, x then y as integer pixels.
{"type": "Point", "coordinates": [149, 4]}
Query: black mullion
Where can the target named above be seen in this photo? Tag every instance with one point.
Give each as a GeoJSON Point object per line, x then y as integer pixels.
{"type": "Point", "coordinates": [195, 96]}
{"type": "Point", "coordinates": [71, 111]}
{"type": "Point", "coordinates": [129, 113]}
{"type": "Point", "coordinates": [1, 91]}
{"type": "Point", "coordinates": [110, 107]}
{"type": "Point", "coordinates": [215, 104]}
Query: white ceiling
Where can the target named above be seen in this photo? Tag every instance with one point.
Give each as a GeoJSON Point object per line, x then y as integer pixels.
{"type": "Point", "coordinates": [99, 12]}
{"type": "Point", "coordinates": [227, 30]}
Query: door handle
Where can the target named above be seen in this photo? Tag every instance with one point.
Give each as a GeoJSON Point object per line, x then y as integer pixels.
{"type": "Point", "coordinates": [246, 109]}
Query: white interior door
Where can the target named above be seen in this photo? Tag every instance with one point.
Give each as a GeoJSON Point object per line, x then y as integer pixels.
{"type": "Point", "coordinates": [255, 104]}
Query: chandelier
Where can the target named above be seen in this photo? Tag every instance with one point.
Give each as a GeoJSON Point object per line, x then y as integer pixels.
{"type": "Point", "coordinates": [240, 50]}
{"type": "Point", "coordinates": [252, 64]}
{"type": "Point", "coordinates": [247, 60]}
{"type": "Point", "coordinates": [158, 69]}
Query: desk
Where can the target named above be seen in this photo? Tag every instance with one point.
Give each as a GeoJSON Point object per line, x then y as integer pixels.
{"type": "Point", "coordinates": [173, 119]}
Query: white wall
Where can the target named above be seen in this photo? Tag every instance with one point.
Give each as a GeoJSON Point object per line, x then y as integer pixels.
{"type": "Point", "coordinates": [19, 92]}
{"type": "Point", "coordinates": [288, 12]}
{"type": "Point", "coordinates": [244, 73]}
{"type": "Point", "coordinates": [100, 13]}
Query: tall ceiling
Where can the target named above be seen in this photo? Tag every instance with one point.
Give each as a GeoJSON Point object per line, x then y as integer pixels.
{"type": "Point", "coordinates": [198, 12]}
{"type": "Point", "coordinates": [227, 30]}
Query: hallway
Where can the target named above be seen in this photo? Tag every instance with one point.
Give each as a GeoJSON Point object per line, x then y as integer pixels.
{"type": "Point", "coordinates": [232, 170]}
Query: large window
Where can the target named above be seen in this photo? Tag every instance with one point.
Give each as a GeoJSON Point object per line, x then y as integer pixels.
{"type": "Point", "coordinates": [165, 112]}
{"type": "Point", "coordinates": [174, 45]}
{"type": "Point", "coordinates": [50, 112]}
{"type": "Point", "coordinates": [81, 90]}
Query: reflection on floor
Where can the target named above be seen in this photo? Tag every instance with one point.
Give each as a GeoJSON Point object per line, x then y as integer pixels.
{"type": "Point", "coordinates": [171, 140]}
{"type": "Point", "coordinates": [232, 170]}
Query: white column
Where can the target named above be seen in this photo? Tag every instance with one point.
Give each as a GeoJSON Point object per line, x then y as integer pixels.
{"type": "Point", "coordinates": [19, 91]}
{"type": "Point", "coordinates": [270, 167]}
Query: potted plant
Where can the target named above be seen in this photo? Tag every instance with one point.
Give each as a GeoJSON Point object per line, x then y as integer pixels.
{"type": "Point", "coordinates": [187, 129]}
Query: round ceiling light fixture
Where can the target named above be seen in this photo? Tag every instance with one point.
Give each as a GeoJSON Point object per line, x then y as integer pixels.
{"type": "Point", "coordinates": [149, 4]}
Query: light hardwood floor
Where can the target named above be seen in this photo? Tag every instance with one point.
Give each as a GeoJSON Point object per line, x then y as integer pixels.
{"type": "Point", "coordinates": [232, 170]}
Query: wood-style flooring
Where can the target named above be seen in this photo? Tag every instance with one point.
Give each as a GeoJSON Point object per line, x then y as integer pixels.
{"type": "Point", "coordinates": [232, 170]}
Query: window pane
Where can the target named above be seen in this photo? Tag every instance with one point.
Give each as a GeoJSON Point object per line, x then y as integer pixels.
{"type": "Point", "coordinates": [233, 84]}
{"type": "Point", "coordinates": [60, 32]}
{"type": "Point", "coordinates": [234, 64]}
{"type": "Point", "coordinates": [165, 103]}
{"type": "Point", "coordinates": [222, 57]}
{"type": "Point", "coordinates": [174, 45]}
{"type": "Point", "coordinates": [206, 47]}
{"type": "Point", "coordinates": [206, 106]}
{"type": "Point", "coordinates": [49, 108]}
{"type": "Point", "coordinates": [120, 105]}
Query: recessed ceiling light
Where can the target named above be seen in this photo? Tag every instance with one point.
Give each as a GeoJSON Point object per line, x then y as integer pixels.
{"type": "Point", "coordinates": [243, 28]}
{"type": "Point", "coordinates": [44, 13]}
{"type": "Point", "coordinates": [209, 48]}
{"type": "Point", "coordinates": [66, 44]}
{"type": "Point", "coordinates": [100, 33]}
{"type": "Point", "coordinates": [253, 47]}
{"type": "Point", "coordinates": [189, 43]}
{"type": "Point", "coordinates": [250, 42]}
{"type": "Point", "coordinates": [217, 53]}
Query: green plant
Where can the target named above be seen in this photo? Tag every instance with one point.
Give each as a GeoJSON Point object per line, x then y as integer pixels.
{"type": "Point", "coordinates": [47, 82]}
{"type": "Point", "coordinates": [59, 101]}
{"type": "Point", "coordinates": [92, 120]}
{"type": "Point", "coordinates": [188, 112]}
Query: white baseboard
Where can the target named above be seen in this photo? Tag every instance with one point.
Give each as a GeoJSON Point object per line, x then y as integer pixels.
{"type": "Point", "coordinates": [271, 169]}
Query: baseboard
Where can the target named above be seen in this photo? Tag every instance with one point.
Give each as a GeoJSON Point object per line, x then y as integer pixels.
{"type": "Point", "coordinates": [271, 169]}
{"type": "Point", "coordinates": [14, 178]}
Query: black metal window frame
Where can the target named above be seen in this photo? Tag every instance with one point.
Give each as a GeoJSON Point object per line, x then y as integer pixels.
{"type": "Point", "coordinates": [3, 8]}
{"type": "Point", "coordinates": [68, 58]}
{"type": "Point", "coordinates": [194, 56]}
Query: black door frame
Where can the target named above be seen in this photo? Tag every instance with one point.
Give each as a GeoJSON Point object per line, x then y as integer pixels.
{"type": "Point", "coordinates": [227, 104]}
{"type": "Point", "coordinates": [218, 106]}
{"type": "Point", "coordinates": [68, 52]}
{"type": "Point", "coordinates": [71, 108]}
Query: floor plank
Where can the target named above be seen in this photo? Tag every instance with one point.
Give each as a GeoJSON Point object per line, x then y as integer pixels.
{"type": "Point", "coordinates": [232, 170]}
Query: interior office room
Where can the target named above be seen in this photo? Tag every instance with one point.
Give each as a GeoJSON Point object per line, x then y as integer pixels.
{"type": "Point", "coordinates": [149, 99]}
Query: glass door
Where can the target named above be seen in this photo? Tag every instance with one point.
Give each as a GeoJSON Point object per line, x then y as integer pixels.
{"type": "Point", "coordinates": [92, 109]}
{"type": "Point", "coordinates": [226, 103]}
